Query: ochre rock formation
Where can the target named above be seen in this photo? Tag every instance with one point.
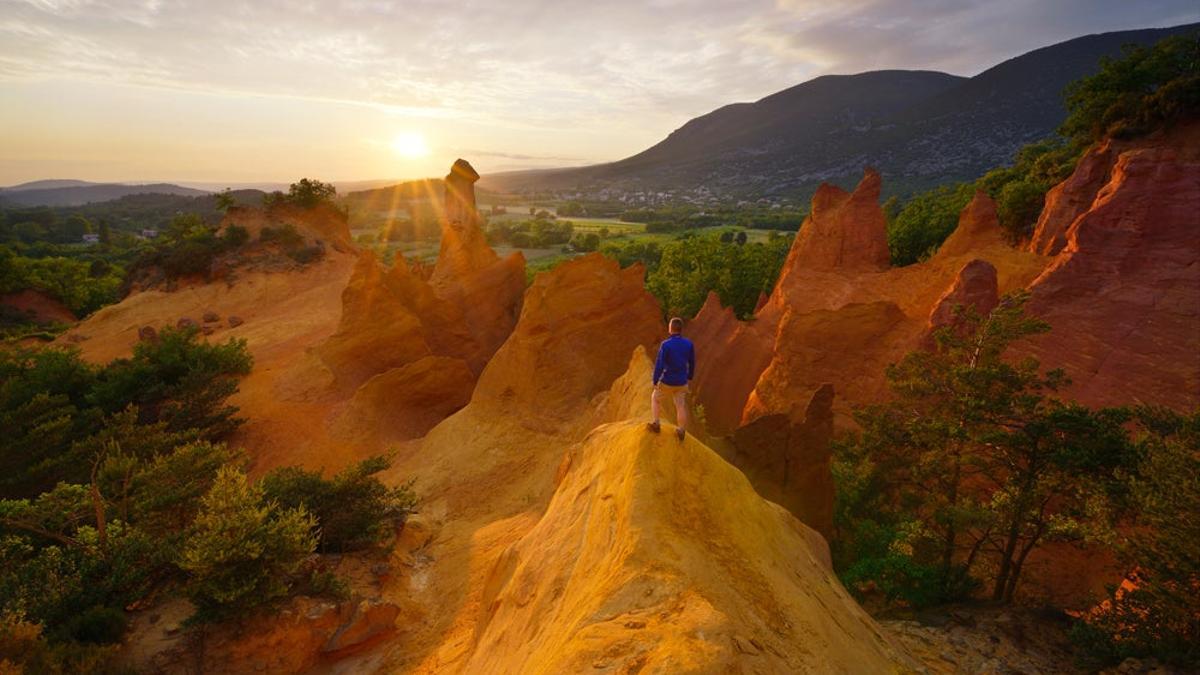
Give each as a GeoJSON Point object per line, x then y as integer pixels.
{"type": "Point", "coordinates": [845, 230]}
{"type": "Point", "coordinates": [656, 556]}
{"type": "Point", "coordinates": [578, 325]}
{"type": "Point", "coordinates": [1123, 296]}
{"type": "Point", "coordinates": [849, 346]}
{"type": "Point", "coordinates": [1069, 199]}
{"type": "Point", "coordinates": [460, 193]}
{"type": "Point", "coordinates": [975, 286]}
{"type": "Point", "coordinates": [978, 228]}
{"type": "Point", "coordinates": [37, 307]}
{"type": "Point", "coordinates": [378, 330]}
{"type": "Point", "coordinates": [840, 318]}
{"type": "Point", "coordinates": [789, 462]}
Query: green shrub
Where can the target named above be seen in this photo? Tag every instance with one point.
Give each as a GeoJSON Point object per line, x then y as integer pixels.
{"type": "Point", "coordinates": [285, 235]}
{"type": "Point", "coordinates": [243, 552]}
{"type": "Point", "coordinates": [973, 464]}
{"type": "Point", "coordinates": [57, 411]}
{"type": "Point", "coordinates": [688, 269]}
{"type": "Point", "coordinates": [352, 510]}
{"type": "Point", "coordinates": [1157, 617]}
{"type": "Point", "coordinates": [235, 236]}
{"type": "Point", "coordinates": [924, 222]}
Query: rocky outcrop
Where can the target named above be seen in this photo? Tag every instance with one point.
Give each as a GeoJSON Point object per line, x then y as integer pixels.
{"type": "Point", "coordinates": [657, 556]}
{"type": "Point", "coordinates": [845, 230]}
{"type": "Point", "coordinates": [579, 323]}
{"type": "Point", "coordinates": [321, 223]}
{"type": "Point", "coordinates": [469, 275]}
{"type": "Point", "coordinates": [460, 193]}
{"type": "Point", "coordinates": [850, 346]}
{"type": "Point", "coordinates": [378, 330]}
{"type": "Point", "coordinates": [416, 342]}
{"type": "Point", "coordinates": [730, 357]}
{"type": "Point", "coordinates": [975, 286]}
{"type": "Point", "coordinates": [1123, 297]}
{"type": "Point", "coordinates": [789, 461]}
{"type": "Point", "coordinates": [978, 228]}
{"type": "Point", "coordinates": [1071, 198]}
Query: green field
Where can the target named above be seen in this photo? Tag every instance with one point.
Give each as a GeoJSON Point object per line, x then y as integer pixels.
{"type": "Point", "coordinates": [543, 259]}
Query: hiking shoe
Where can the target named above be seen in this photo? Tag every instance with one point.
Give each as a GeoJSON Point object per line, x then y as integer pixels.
{"type": "Point", "coordinates": [653, 427]}
{"type": "Point", "coordinates": [680, 433]}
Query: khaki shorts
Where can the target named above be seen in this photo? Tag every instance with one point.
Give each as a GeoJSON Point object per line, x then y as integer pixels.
{"type": "Point", "coordinates": [671, 389]}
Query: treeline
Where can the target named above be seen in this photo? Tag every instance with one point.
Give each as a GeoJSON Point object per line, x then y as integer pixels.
{"type": "Point", "coordinates": [119, 489]}
{"type": "Point", "coordinates": [975, 463]}
{"type": "Point", "coordinates": [682, 272]}
{"type": "Point", "coordinates": [1148, 89]}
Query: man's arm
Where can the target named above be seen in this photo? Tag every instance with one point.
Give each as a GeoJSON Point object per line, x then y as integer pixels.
{"type": "Point", "coordinates": [691, 361]}
{"type": "Point", "coordinates": [659, 366]}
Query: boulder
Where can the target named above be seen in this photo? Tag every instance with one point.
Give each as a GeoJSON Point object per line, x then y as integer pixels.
{"type": "Point", "coordinates": [147, 334]}
{"type": "Point", "coordinates": [211, 317]}
{"type": "Point", "coordinates": [235, 321]}
{"type": "Point", "coordinates": [185, 322]}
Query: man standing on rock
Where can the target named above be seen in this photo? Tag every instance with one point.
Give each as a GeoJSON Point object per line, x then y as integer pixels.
{"type": "Point", "coordinates": [673, 370]}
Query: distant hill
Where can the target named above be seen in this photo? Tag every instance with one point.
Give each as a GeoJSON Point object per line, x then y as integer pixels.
{"type": "Point", "coordinates": [139, 211]}
{"type": "Point", "coordinates": [44, 184]}
{"type": "Point", "coordinates": [76, 193]}
{"type": "Point", "coordinates": [919, 128]}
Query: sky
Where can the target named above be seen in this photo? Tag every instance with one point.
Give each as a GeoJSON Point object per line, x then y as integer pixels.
{"type": "Point", "coordinates": [269, 91]}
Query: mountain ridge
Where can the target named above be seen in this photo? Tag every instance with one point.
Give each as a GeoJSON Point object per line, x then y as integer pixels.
{"type": "Point", "coordinates": [951, 133]}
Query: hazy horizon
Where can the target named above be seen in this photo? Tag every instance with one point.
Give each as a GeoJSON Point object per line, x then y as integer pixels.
{"type": "Point", "coordinates": [224, 92]}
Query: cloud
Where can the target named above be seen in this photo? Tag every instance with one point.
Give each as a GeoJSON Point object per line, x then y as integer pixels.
{"type": "Point", "coordinates": [611, 75]}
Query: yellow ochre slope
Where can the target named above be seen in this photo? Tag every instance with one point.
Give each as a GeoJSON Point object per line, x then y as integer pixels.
{"type": "Point", "coordinates": [658, 556]}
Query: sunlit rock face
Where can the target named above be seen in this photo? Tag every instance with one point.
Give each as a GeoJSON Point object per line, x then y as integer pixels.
{"type": "Point", "coordinates": [578, 326]}
{"type": "Point", "coordinates": [460, 193]}
{"type": "Point", "coordinates": [845, 230]}
{"type": "Point", "coordinates": [1069, 199]}
{"type": "Point", "coordinates": [1123, 295]}
{"type": "Point", "coordinates": [657, 556]}
{"type": "Point", "coordinates": [393, 320]}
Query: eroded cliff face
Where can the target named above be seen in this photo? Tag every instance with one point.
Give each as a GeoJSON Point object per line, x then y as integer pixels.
{"type": "Point", "coordinates": [1123, 294]}
{"type": "Point", "coordinates": [840, 315]}
{"type": "Point", "coordinates": [408, 349]}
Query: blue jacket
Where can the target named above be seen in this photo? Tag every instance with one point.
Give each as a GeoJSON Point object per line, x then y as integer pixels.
{"type": "Point", "coordinates": [676, 361]}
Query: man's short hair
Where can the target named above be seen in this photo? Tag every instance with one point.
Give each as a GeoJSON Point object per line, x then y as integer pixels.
{"type": "Point", "coordinates": [676, 325]}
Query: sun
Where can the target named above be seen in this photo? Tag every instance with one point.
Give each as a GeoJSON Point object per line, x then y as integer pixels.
{"type": "Point", "coordinates": [410, 144]}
